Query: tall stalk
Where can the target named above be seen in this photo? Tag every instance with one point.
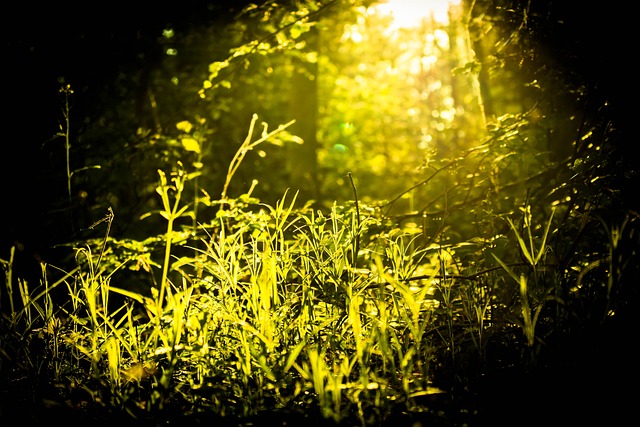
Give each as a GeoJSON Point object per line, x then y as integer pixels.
{"type": "Point", "coordinates": [64, 133]}
{"type": "Point", "coordinates": [171, 212]}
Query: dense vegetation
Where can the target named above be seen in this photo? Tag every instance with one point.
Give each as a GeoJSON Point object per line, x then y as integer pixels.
{"type": "Point", "coordinates": [284, 213]}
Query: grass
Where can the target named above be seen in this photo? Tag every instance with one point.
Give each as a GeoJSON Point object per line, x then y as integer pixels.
{"type": "Point", "coordinates": [277, 315]}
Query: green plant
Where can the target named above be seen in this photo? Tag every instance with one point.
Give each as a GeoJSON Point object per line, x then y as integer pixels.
{"type": "Point", "coordinates": [532, 300]}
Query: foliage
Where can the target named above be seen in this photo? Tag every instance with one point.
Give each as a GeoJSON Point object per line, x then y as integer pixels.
{"type": "Point", "coordinates": [492, 262]}
{"type": "Point", "coordinates": [276, 308]}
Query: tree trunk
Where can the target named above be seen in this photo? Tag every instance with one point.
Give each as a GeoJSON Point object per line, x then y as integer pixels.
{"type": "Point", "coordinates": [302, 159]}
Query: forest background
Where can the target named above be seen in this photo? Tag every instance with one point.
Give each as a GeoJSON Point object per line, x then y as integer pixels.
{"type": "Point", "coordinates": [118, 63]}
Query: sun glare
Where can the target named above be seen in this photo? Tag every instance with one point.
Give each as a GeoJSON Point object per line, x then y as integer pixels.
{"type": "Point", "coordinates": [411, 13]}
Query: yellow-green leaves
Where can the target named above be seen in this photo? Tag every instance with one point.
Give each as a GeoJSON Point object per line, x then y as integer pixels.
{"type": "Point", "coordinates": [532, 253]}
{"type": "Point", "coordinates": [190, 144]}
{"type": "Point", "coordinates": [184, 126]}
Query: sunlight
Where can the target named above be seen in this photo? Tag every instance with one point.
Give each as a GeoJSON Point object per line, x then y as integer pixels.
{"type": "Point", "coordinates": [411, 13]}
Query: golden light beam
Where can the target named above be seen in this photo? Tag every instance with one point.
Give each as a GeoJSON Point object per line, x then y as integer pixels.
{"type": "Point", "coordinates": [411, 13]}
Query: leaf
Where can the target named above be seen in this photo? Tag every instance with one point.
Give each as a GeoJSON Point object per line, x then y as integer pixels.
{"type": "Point", "coordinates": [216, 67]}
{"type": "Point", "coordinates": [511, 273]}
{"type": "Point", "coordinates": [190, 144]}
{"type": "Point", "coordinates": [139, 371]}
{"type": "Point", "coordinates": [184, 126]}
